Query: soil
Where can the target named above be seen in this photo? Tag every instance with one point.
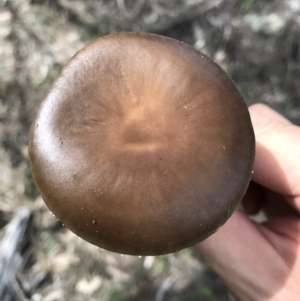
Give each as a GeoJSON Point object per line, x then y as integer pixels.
{"type": "Point", "coordinates": [256, 42]}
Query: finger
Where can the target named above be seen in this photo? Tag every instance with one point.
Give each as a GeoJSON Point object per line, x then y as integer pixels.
{"type": "Point", "coordinates": [277, 153]}
{"type": "Point", "coordinates": [268, 114]}
{"type": "Point", "coordinates": [234, 251]}
{"type": "Point", "coordinates": [273, 204]}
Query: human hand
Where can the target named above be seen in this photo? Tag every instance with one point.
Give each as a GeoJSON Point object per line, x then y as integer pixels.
{"type": "Point", "coordinates": [261, 261]}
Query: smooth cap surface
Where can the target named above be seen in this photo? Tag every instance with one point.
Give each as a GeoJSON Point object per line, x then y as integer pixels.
{"type": "Point", "coordinates": [143, 145]}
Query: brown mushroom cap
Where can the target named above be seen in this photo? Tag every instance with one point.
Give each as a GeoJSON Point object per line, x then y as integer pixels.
{"type": "Point", "coordinates": [143, 146]}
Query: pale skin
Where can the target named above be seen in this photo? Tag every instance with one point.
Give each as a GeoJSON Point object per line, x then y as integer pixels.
{"type": "Point", "coordinates": [261, 261]}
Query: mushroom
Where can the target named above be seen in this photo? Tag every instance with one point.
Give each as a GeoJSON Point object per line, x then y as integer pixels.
{"type": "Point", "coordinates": [143, 146]}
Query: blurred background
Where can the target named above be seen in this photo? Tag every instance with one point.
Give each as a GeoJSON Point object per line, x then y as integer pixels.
{"type": "Point", "coordinates": [256, 42]}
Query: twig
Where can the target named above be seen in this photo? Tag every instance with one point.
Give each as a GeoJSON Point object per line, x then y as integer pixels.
{"type": "Point", "coordinates": [165, 286]}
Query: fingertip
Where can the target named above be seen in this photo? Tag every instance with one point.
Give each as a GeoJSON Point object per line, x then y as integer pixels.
{"type": "Point", "coordinates": [262, 115]}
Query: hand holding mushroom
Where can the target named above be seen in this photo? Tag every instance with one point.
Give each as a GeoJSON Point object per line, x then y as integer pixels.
{"type": "Point", "coordinates": [262, 261]}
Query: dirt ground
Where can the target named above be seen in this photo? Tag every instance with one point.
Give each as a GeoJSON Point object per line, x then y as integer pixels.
{"type": "Point", "coordinates": [256, 42]}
